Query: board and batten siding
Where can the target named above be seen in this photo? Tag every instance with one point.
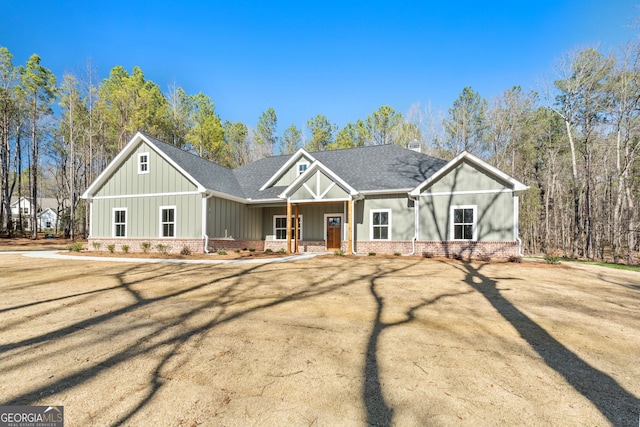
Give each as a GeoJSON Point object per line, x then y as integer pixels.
{"type": "Point", "coordinates": [402, 216]}
{"type": "Point", "coordinates": [229, 219]}
{"type": "Point", "coordinates": [291, 174]}
{"type": "Point", "coordinates": [161, 178]}
{"type": "Point", "coordinates": [467, 185]}
{"type": "Point", "coordinates": [143, 215]}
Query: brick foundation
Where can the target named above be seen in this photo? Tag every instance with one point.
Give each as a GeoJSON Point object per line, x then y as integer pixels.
{"type": "Point", "coordinates": [172, 246]}
{"type": "Point", "coordinates": [453, 249]}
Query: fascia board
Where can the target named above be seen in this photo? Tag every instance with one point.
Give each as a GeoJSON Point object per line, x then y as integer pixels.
{"type": "Point", "coordinates": [316, 165]}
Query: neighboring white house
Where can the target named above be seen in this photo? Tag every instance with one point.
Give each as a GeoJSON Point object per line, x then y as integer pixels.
{"type": "Point", "coordinates": [48, 218]}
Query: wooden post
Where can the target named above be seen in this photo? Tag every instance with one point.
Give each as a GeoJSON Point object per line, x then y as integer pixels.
{"type": "Point", "coordinates": [350, 230]}
{"type": "Point", "coordinates": [295, 229]}
{"type": "Point", "coordinates": [288, 226]}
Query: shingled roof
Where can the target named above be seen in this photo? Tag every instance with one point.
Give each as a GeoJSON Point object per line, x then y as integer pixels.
{"type": "Point", "coordinates": [368, 169]}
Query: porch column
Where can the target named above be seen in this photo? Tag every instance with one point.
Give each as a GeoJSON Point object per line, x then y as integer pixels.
{"type": "Point", "coordinates": [288, 226]}
{"type": "Point", "coordinates": [295, 229]}
{"type": "Point", "coordinates": [350, 230]}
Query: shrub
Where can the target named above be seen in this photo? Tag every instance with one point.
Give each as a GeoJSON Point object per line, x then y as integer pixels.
{"type": "Point", "coordinates": [145, 246]}
{"type": "Point", "coordinates": [163, 249]}
{"type": "Point", "coordinates": [96, 245]}
{"type": "Point", "coordinates": [221, 252]}
{"type": "Point", "coordinates": [252, 249]}
{"type": "Point", "coordinates": [397, 254]}
{"type": "Point", "coordinates": [372, 254]}
{"type": "Point", "coordinates": [237, 251]}
{"type": "Point", "coordinates": [111, 248]}
{"type": "Point", "coordinates": [185, 250]}
{"type": "Point", "coordinates": [125, 248]}
{"type": "Point", "coordinates": [514, 259]}
{"type": "Point", "coordinates": [338, 252]}
{"type": "Point", "coordinates": [485, 258]}
{"type": "Point", "coordinates": [75, 247]}
{"type": "Point", "coordinates": [427, 254]}
{"type": "Point", "coordinates": [282, 251]}
{"type": "Point", "coordinates": [268, 251]}
{"type": "Point", "coordinates": [552, 258]}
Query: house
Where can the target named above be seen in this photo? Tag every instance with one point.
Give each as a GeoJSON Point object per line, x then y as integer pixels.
{"type": "Point", "coordinates": [383, 199]}
{"type": "Point", "coordinates": [48, 218]}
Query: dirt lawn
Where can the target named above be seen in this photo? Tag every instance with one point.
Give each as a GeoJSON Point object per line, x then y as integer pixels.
{"type": "Point", "coordinates": [327, 341]}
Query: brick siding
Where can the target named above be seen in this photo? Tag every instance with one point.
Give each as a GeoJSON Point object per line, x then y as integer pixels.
{"type": "Point", "coordinates": [173, 246]}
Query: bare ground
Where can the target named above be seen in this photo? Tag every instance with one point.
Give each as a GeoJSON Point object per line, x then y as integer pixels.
{"type": "Point", "coordinates": [327, 341]}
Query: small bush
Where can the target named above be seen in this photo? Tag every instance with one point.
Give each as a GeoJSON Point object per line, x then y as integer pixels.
{"type": "Point", "coordinates": [221, 252]}
{"type": "Point", "coordinates": [163, 249]}
{"type": "Point", "coordinates": [145, 246]}
{"type": "Point", "coordinates": [125, 248]}
{"type": "Point", "coordinates": [185, 250]}
{"type": "Point", "coordinates": [268, 251]}
{"type": "Point", "coordinates": [111, 248]}
{"type": "Point", "coordinates": [252, 249]}
{"type": "Point", "coordinates": [236, 251]}
{"type": "Point", "coordinates": [514, 259]}
{"type": "Point", "coordinates": [338, 252]}
{"type": "Point", "coordinates": [397, 254]}
{"type": "Point", "coordinates": [96, 245]}
{"type": "Point", "coordinates": [552, 259]}
{"type": "Point", "coordinates": [76, 247]}
{"type": "Point", "coordinates": [427, 254]}
{"type": "Point", "coordinates": [372, 254]}
{"type": "Point", "coordinates": [282, 251]}
{"type": "Point", "coordinates": [484, 258]}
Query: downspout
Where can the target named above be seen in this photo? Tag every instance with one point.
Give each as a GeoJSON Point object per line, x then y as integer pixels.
{"type": "Point", "coordinates": [516, 222]}
{"type": "Point", "coordinates": [416, 217]}
{"type": "Point", "coordinates": [204, 223]}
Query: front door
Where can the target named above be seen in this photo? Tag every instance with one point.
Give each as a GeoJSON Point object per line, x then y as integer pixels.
{"type": "Point", "coordinates": [334, 232]}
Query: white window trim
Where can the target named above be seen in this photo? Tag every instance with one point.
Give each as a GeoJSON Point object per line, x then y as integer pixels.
{"type": "Point", "coordinates": [371, 212]}
{"type": "Point", "coordinates": [303, 162]}
{"type": "Point", "coordinates": [113, 223]}
{"type": "Point", "coordinates": [292, 218]}
{"type": "Point", "coordinates": [474, 228]}
{"type": "Point", "coordinates": [140, 171]}
{"type": "Point", "coordinates": [175, 222]}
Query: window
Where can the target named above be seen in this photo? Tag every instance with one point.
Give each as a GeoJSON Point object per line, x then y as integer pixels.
{"type": "Point", "coordinates": [302, 166]}
{"type": "Point", "coordinates": [381, 224]}
{"type": "Point", "coordinates": [280, 227]}
{"type": "Point", "coordinates": [167, 221]}
{"type": "Point", "coordinates": [143, 163]}
{"type": "Point", "coordinates": [463, 224]}
{"type": "Point", "coordinates": [48, 224]}
{"type": "Point", "coordinates": [119, 222]}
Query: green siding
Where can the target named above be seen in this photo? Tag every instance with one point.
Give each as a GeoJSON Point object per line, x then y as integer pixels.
{"type": "Point", "coordinates": [466, 177]}
{"type": "Point", "coordinates": [162, 177]}
{"type": "Point", "coordinates": [229, 219]}
{"type": "Point", "coordinates": [402, 216]}
{"type": "Point", "coordinates": [291, 174]}
{"type": "Point", "coordinates": [143, 215]}
{"type": "Point", "coordinates": [494, 211]}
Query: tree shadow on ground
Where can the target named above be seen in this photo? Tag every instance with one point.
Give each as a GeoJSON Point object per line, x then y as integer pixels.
{"type": "Point", "coordinates": [615, 403]}
{"type": "Point", "coordinates": [230, 295]}
{"type": "Point", "coordinates": [378, 411]}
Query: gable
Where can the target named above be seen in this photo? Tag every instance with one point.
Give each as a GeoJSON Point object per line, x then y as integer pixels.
{"type": "Point", "coordinates": [466, 177]}
{"type": "Point", "coordinates": [318, 186]}
{"type": "Point", "coordinates": [161, 177]}
{"type": "Point", "coordinates": [291, 172]}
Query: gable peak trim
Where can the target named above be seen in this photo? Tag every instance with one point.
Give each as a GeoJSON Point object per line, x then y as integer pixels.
{"type": "Point", "coordinates": [301, 153]}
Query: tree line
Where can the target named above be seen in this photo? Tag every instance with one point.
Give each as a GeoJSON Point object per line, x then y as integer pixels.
{"type": "Point", "coordinates": [574, 142]}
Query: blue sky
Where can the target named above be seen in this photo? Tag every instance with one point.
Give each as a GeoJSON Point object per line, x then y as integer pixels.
{"type": "Point", "coordinates": [337, 58]}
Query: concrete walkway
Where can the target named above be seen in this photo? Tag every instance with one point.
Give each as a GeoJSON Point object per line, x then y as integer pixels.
{"type": "Point", "coordinates": [57, 255]}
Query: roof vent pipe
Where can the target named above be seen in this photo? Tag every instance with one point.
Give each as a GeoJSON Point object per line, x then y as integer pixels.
{"type": "Point", "coordinates": [415, 145]}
